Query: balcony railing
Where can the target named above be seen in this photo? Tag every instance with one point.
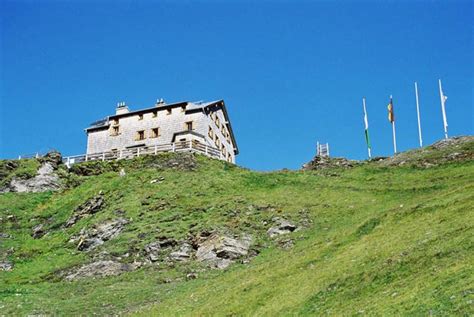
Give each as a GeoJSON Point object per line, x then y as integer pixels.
{"type": "Point", "coordinates": [181, 146]}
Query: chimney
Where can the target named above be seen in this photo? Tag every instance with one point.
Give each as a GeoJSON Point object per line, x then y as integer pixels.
{"type": "Point", "coordinates": [160, 102]}
{"type": "Point", "coordinates": [121, 108]}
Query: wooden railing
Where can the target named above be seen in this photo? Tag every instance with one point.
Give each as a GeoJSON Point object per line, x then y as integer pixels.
{"type": "Point", "coordinates": [182, 146]}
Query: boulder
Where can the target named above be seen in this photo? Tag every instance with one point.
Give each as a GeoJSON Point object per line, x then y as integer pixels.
{"type": "Point", "coordinates": [282, 227]}
{"type": "Point", "coordinates": [101, 268]}
{"type": "Point", "coordinates": [96, 236]}
{"type": "Point", "coordinates": [219, 251]}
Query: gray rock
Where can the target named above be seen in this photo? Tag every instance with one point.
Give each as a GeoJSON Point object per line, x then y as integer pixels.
{"type": "Point", "coordinates": [91, 206]}
{"type": "Point", "coordinates": [46, 179]}
{"type": "Point", "coordinates": [6, 266]}
{"type": "Point", "coordinates": [4, 235]}
{"type": "Point", "coordinates": [154, 249]}
{"type": "Point", "coordinates": [220, 251]}
{"type": "Point", "coordinates": [101, 268]}
{"type": "Point", "coordinates": [183, 254]}
{"type": "Point", "coordinates": [282, 227]}
{"type": "Point", "coordinates": [96, 236]}
{"type": "Point", "coordinates": [38, 231]}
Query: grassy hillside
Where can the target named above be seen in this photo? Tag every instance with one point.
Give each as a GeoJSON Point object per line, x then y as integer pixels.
{"type": "Point", "coordinates": [375, 239]}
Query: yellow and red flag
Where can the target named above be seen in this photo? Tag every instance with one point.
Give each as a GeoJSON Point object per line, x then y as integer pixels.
{"type": "Point", "coordinates": [391, 113]}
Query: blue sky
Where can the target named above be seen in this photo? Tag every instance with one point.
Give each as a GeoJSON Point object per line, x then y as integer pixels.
{"type": "Point", "coordinates": [290, 72]}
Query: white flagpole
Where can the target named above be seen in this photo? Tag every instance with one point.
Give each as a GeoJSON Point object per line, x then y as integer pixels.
{"type": "Point", "coordinates": [366, 121]}
{"type": "Point", "coordinates": [393, 131]}
{"type": "Point", "coordinates": [418, 114]}
{"type": "Point", "coordinates": [443, 110]}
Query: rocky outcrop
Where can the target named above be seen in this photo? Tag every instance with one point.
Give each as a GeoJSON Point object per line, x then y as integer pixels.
{"type": "Point", "coordinates": [324, 162]}
{"type": "Point", "coordinates": [101, 268]}
{"type": "Point", "coordinates": [220, 251]}
{"type": "Point", "coordinates": [454, 149]}
{"type": "Point", "coordinates": [91, 206]}
{"type": "Point", "coordinates": [46, 179]}
{"type": "Point", "coordinates": [155, 249]}
{"type": "Point", "coordinates": [90, 239]}
{"type": "Point", "coordinates": [183, 253]}
{"type": "Point", "coordinates": [282, 227]}
{"type": "Point", "coordinates": [6, 266]}
{"type": "Point", "coordinates": [38, 231]}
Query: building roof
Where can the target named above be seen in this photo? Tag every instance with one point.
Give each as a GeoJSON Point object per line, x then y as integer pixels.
{"type": "Point", "coordinates": [190, 107]}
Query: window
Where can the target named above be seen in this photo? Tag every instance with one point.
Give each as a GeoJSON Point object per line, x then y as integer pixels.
{"type": "Point", "coordinates": [223, 130]}
{"type": "Point", "coordinates": [217, 121]}
{"type": "Point", "coordinates": [140, 117]}
{"type": "Point", "coordinates": [155, 132]}
{"type": "Point", "coordinates": [116, 121]}
{"type": "Point", "coordinates": [211, 133]}
{"type": "Point", "coordinates": [115, 131]}
{"type": "Point", "coordinates": [140, 135]}
{"type": "Point", "coordinates": [168, 111]}
{"type": "Point", "coordinates": [183, 108]}
{"type": "Point", "coordinates": [189, 126]}
{"type": "Point", "coordinates": [218, 143]}
{"type": "Point", "coordinates": [155, 113]}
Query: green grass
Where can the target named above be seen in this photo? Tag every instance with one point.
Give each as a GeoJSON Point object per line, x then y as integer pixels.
{"type": "Point", "coordinates": [380, 241]}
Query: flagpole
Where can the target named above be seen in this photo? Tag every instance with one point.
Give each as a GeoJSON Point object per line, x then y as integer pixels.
{"type": "Point", "coordinates": [443, 110]}
{"type": "Point", "coordinates": [366, 121]}
{"type": "Point", "coordinates": [393, 132]}
{"type": "Point", "coordinates": [418, 114]}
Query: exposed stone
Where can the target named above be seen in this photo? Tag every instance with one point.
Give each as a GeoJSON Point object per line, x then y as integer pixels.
{"type": "Point", "coordinates": [38, 231]}
{"type": "Point", "coordinates": [323, 162]}
{"type": "Point", "coordinates": [102, 268]}
{"type": "Point", "coordinates": [219, 251]}
{"type": "Point", "coordinates": [154, 249]}
{"type": "Point", "coordinates": [53, 157]}
{"type": "Point", "coordinates": [191, 276]}
{"type": "Point", "coordinates": [4, 235]}
{"type": "Point", "coordinates": [183, 254]}
{"type": "Point", "coordinates": [46, 179]}
{"type": "Point", "coordinates": [91, 206]}
{"type": "Point", "coordinates": [157, 180]}
{"type": "Point", "coordinates": [96, 236]}
{"type": "Point", "coordinates": [6, 266]}
{"type": "Point", "coordinates": [286, 244]}
{"type": "Point", "coordinates": [282, 227]}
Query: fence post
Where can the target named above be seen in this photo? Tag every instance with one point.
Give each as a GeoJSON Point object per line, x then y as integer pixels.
{"type": "Point", "coordinates": [327, 147]}
{"type": "Point", "coordinates": [19, 157]}
{"type": "Point", "coordinates": [206, 149]}
{"type": "Point", "coordinates": [103, 156]}
{"type": "Point", "coordinates": [191, 145]}
{"type": "Point", "coordinates": [86, 157]}
{"type": "Point", "coordinates": [173, 147]}
{"type": "Point", "coordinates": [36, 155]}
{"type": "Point", "coordinates": [138, 152]}
{"type": "Point", "coordinates": [156, 149]}
{"type": "Point", "coordinates": [67, 163]}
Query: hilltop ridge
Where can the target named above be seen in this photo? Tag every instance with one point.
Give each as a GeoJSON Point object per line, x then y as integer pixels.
{"type": "Point", "coordinates": [182, 234]}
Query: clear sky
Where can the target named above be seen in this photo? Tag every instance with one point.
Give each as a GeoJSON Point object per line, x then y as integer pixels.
{"type": "Point", "coordinates": [290, 72]}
